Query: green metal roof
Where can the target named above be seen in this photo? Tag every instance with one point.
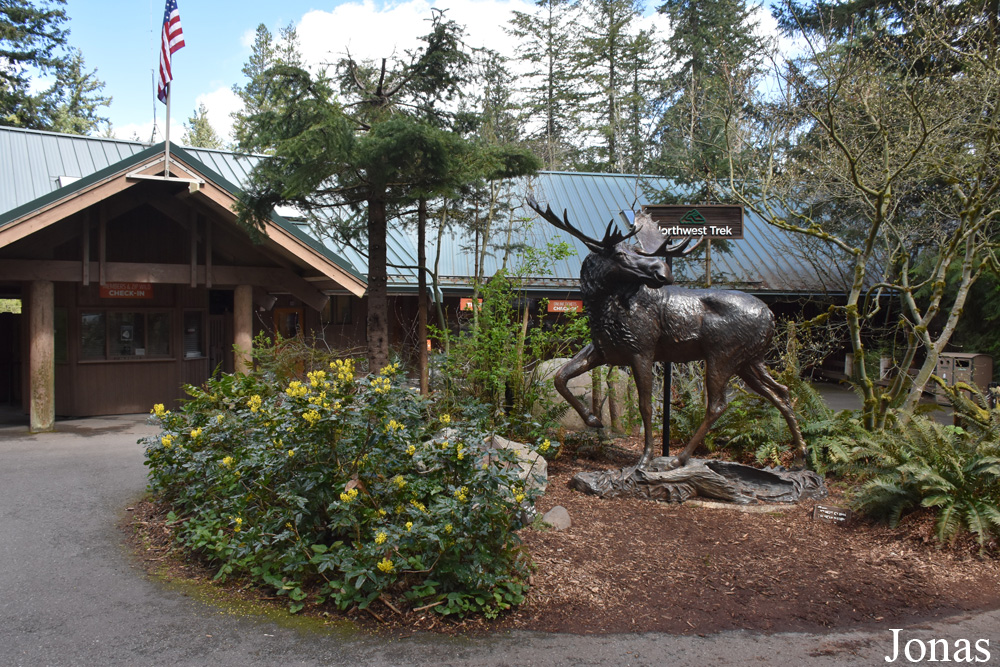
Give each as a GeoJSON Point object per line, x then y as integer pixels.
{"type": "Point", "coordinates": [767, 260]}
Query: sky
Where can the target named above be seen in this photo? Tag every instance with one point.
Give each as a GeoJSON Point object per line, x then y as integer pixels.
{"type": "Point", "coordinates": [121, 40]}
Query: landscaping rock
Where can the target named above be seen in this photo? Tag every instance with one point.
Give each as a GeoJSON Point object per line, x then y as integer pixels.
{"type": "Point", "coordinates": [534, 468]}
{"type": "Point", "coordinates": [582, 387]}
{"type": "Point", "coordinates": [558, 518]}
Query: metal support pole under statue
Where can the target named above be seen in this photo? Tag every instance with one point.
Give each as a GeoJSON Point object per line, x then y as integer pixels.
{"type": "Point", "coordinates": [668, 371]}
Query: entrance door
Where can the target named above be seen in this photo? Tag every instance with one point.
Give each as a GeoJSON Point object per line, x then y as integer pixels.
{"type": "Point", "coordinates": [10, 359]}
{"type": "Point", "coordinates": [288, 322]}
{"type": "Point", "coordinates": [220, 344]}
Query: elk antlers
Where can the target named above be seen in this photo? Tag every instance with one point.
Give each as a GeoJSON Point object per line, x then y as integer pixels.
{"type": "Point", "coordinates": [612, 236]}
{"type": "Point", "coordinates": [651, 242]}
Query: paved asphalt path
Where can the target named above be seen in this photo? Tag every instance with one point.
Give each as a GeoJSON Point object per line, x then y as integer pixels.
{"type": "Point", "coordinates": [70, 593]}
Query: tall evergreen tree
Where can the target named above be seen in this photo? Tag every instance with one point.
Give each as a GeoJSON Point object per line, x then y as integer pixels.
{"type": "Point", "coordinates": [644, 63]}
{"type": "Point", "coordinates": [497, 117]}
{"type": "Point", "coordinates": [33, 43]}
{"type": "Point", "coordinates": [75, 98]}
{"type": "Point", "coordinates": [198, 130]}
{"type": "Point", "coordinates": [712, 47]}
{"type": "Point", "coordinates": [30, 41]}
{"type": "Point", "coordinates": [372, 145]}
{"type": "Point", "coordinates": [265, 54]}
{"type": "Point", "coordinates": [605, 54]}
{"type": "Point", "coordinates": [552, 96]}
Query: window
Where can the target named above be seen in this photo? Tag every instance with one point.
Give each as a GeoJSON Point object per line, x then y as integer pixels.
{"type": "Point", "coordinates": [288, 322]}
{"type": "Point", "coordinates": [337, 310]}
{"type": "Point", "coordinates": [124, 335]}
{"type": "Point", "coordinates": [194, 346]}
{"type": "Point", "coordinates": [92, 334]}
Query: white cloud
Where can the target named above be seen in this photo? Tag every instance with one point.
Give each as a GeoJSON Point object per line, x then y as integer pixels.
{"type": "Point", "coordinates": [767, 27]}
{"type": "Point", "coordinates": [221, 103]}
{"type": "Point", "coordinates": [249, 37]}
{"type": "Point", "coordinates": [370, 33]}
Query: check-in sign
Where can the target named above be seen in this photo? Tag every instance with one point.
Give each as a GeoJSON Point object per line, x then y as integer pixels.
{"type": "Point", "coordinates": [127, 291]}
{"type": "Point", "coordinates": [466, 304]}
{"type": "Point", "coordinates": [697, 222]}
{"type": "Point", "coordinates": [565, 306]}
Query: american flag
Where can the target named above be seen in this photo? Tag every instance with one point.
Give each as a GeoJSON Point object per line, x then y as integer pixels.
{"type": "Point", "coordinates": [173, 39]}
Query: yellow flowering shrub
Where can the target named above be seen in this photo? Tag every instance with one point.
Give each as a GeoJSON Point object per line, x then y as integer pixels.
{"type": "Point", "coordinates": [313, 480]}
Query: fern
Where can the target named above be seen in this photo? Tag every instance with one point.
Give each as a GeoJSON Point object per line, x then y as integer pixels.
{"type": "Point", "coordinates": [921, 463]}
{"type": "Point", "coordinates": [751, 428]}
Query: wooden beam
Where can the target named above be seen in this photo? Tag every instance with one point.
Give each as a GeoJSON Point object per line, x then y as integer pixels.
{"type": "Point", "coordinates": [99, 192]}
{"type": "Point", "coordinates": [193, 233]}
{"type": "Point", "coordinates": [172, 209]}
{"type": "Point", "coordinates": [263, 299]}
{"type": "Point", "coordinates": [85, 259]}
{"type": "Point", "coordinates": [284, 239]}
{"type": "Point", "coordinates": [45, 216]}
{"type": "Point", "coordinates": [243, 327]}
{"type": "Point", "coordinates": [127, 201]}
{"type": "Point", "coordinates": [102, 241]}
{"type": "Point", "coordinates": [41, 355]}
{"type": "Point", "coordinates": [208, 252]}
{"type": "Point", "coordinates": [272, 279]}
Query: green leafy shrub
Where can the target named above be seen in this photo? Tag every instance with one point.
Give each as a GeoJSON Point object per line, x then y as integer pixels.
{"type": "Point", "coordinates": [341, 488]}
{"type": "Point", "coordinates": [496, 359]}
{"type": "Point", "coordinates": [921, 463]}
{"type": "Point", "coordinates": [751, 429]}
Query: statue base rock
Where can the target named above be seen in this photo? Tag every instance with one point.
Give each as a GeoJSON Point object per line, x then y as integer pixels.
{"type": "Point", "coordinates": [721, 480]}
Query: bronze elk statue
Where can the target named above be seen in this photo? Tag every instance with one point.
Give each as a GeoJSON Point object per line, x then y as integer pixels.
{"type": "Point", "coordinates": [637, 317]}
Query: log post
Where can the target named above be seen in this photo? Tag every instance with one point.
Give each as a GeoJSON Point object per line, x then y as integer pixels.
{"type": "Point", "coordinates": [41, 355]}
{"type": "Point", "coordinates": [243, 327]}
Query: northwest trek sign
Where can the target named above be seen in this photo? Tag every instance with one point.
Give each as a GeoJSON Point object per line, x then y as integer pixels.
{"type": "Point", "coordinates": [697, 222]}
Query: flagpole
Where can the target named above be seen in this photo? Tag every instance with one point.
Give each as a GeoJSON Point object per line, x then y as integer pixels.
{"type": "Point", "coordinates": [173, 39]}
{"type": "Point", "coordinates": [166, 163]}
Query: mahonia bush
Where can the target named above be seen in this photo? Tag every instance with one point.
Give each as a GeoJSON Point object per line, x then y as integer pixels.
{"type": "Point", "coordinates": [341, 488]}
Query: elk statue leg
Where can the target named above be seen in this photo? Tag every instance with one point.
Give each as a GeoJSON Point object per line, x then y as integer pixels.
{"type": "Point", "coordinates": [582, 362]}
{"type": "Point", "coordinates": [715, 390]}
{"type": "Point", "coordinates": [642, 373]}
{"type": "Point", "coordinates": [757, 378]}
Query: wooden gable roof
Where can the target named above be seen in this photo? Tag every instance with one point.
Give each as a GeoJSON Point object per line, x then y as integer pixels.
{"type": "Point", "coordinates": [303, 266]}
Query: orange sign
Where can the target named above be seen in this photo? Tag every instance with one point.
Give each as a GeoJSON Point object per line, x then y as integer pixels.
{"type": "Point", "coordinates": [466, 304]}
{"type": "Point", "coordinates": [565, 306]}
{"type": "Point", "coordinates": [127, 291]}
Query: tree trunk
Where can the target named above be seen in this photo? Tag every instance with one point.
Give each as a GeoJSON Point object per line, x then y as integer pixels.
{"type": "Point", "coordinates": [442, 322]}
{"type": "Point", "coordinates": [933, 348]}
{"type": "Point", "coordinates": [378, 300]}
{"type": "Point", "coordinates": [596, 391]}
{"type": "Point", "coordinates": [614, 407]}
{"type": "Point", "coordinates": [422, 294]}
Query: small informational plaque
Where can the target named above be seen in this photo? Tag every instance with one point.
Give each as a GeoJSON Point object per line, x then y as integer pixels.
{"type": "Point", "coordinates": [832, 514]}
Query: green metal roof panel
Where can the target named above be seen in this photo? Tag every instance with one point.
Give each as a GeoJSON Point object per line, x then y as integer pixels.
{"type": "Point", "coordinates": [33, 179]}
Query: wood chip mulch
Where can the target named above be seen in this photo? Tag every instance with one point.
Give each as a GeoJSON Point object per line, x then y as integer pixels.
{"type": "Point", "coordinates": [639, 566]}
